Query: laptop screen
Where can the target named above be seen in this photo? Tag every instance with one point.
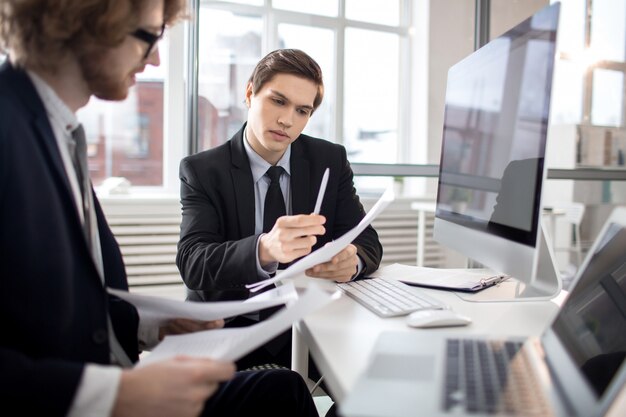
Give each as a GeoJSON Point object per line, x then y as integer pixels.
{"type": "Point", "coordinates": [592, 323]}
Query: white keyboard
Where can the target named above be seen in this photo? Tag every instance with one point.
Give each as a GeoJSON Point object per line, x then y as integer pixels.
{"type": "Point", "coordinates": [389, 298]}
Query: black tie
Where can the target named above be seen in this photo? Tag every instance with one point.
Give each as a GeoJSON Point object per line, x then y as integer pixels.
{"type": "Point", "coordinates": [79, 158]}
{"type": "Point", "coordinates": [274, 201]}
{"type": "Point", "coordinates": [274, 208]}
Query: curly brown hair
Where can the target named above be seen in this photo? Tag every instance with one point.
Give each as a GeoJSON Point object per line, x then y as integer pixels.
{"type": "Point", "coordinates": [37, 33]}
{"type": "Point", "coordinates": [288, 61]}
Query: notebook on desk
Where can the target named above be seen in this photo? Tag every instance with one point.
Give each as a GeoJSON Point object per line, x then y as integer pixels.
{"type": "Point", "coordinates": [466, 280]}
{"type": "Point", "coordinates": [576, 367]}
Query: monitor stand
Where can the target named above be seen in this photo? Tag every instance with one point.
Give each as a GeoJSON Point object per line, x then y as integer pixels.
{"type": "Point", "coordinates": [546, 285]}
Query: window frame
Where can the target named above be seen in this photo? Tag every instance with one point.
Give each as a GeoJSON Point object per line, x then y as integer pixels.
{"type": "Point", "coordinates": [272, 18]}
{"type": "Point", "coordinates": [413, 132]}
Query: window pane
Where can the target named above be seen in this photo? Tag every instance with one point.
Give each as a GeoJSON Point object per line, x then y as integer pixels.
{"type": "Point", "coordinates": [607, 29]}
{"type": "Point", "coordinates": [571, 37]}
{"type": "Point", "coordinates": [125, 139]}
{"type": "Point", "coordinates": [319, 44]}
{"type": "Point", "coordinates": [229, 47]}
{"type": "Point", "coordinates": [567, 92]}
{"type": "Point", "coordinates": [319, 7]}
{"type": "Point", "coordinates": [384, 12]}
{"type": "Point", "coordinates": [250, 2]}
{"type": "Point", "coordinates": [371, 96]}
{"type": "Point", "coordinates": [606, 105]}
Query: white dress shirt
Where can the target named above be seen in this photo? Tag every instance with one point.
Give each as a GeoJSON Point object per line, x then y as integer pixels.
{"type": "Point", "coordinates": [259, 167]}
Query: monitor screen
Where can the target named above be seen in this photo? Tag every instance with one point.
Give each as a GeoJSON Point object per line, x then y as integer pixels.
{"type": "Point", "coordinates": [492, 167]}
{"type": "Point", "coordinates": [592, 323]}
{"type": "Point", "coordinates": [494, 137]}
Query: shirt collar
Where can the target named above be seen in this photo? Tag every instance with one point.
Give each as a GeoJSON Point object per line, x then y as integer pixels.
{"type": "Point", "coordinates": [55, 107]}
{"type": "Point", "coordinates": [258, 165]}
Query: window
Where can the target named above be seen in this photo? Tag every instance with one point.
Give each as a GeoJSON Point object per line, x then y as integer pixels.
{"type": "Point", "coordinates": [607, 98]}
{"type": "Point", "coordinates": [608, 36]}
{"type": "Point", "coordinates": [125, 139]}
{"type": "Point", "coordinates": [384, 12]}
{"type": "Point", "coordinates": [589, 81]}
{"type": "Point", "coordinates": [589, 93]}
{"type": "Point", "coordinates": [229, 46]}
{"type": "Point", "coordinates": [371, 96]}
{"type": "Point", "coordinates": [318, 7]}
{"type": "Point", "coordinates": [358, 46]}
{"type": "Point", "coordinates": [319, 43]}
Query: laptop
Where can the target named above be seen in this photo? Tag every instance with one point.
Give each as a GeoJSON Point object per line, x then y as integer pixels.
{"type": "Point", "coordinates": [576, 367]}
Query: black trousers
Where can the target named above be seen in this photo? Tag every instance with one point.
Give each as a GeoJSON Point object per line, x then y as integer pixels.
{"type": "Point", "coordinates": [277, 393]}
{"type": "Point", "coordinates": [276, 351]}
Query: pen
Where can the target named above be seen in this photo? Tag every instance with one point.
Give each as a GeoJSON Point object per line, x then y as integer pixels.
{"type": "Point", "coordinates": [493, 280]}
{"type": "Point", "coordinates": [320, 194]}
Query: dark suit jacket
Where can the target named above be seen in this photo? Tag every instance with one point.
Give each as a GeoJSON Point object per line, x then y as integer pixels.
{"type": "Point", "coordinates": [53, 306]}
{"type": "Point", "coordinates": [216, 251]}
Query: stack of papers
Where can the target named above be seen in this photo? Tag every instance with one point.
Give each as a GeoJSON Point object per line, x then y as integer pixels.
{"type": "Point", "coordinates": [233, 343]}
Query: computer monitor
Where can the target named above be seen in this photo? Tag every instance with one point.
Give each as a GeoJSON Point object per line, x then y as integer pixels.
{"type": "Point", "coordinates": [492, 157]}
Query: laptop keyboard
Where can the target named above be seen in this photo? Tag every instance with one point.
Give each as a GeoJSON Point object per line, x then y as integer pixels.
{"type": "Point", "coordinates": [389, 298]}
{"type": "Point", "coordinates": [489, 377]}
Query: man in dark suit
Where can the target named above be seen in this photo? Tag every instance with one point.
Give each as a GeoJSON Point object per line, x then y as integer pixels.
{"type": "Point", "coordinates": [226, 238]}
{"type": "Point", "coordinates": [63, 336]}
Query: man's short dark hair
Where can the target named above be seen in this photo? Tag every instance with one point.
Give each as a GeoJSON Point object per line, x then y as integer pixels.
{"type": "Point", "coordinates": [288, 61]}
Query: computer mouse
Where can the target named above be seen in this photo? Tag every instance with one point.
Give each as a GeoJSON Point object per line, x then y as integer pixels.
{"type": "Point", "coordinates": [437, 318]}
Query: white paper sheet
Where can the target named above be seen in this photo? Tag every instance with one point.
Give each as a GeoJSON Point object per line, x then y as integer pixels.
{"type": "Point", "coordinates": [157, 309]}
{"type": "Point", "coordinates": [326, 253]}
{"type": "Point", "coordinates": [233, 343]}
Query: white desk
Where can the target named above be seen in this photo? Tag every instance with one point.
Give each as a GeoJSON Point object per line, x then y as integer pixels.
{"type": "Point", "coordinates": [341, 335]}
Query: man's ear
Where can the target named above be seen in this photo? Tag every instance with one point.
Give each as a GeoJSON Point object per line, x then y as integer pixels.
{"type": "Point", "coordinates": [248, 94]}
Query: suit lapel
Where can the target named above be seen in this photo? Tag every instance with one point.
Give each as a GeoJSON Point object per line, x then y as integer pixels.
{"type": "Point", "coordinates": [300, 181]}
{"type": "Point", "coordinates": [48, 142]}
{"type": "Point", "coordinates": [243, 185]}
{"type": "Point", "coordinates": [25, 91]}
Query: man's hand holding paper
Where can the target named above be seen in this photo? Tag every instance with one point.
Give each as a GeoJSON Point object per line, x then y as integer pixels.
{"type": "Point", "coordinates": [293, 237]}
{"type": "Point", "coordinates": [326, 253]}
{"type": "Point", "coordinates": [341, 268]}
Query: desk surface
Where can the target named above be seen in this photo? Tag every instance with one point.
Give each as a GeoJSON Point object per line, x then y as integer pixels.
{"type": "Point", "coordinates": [341, 336]}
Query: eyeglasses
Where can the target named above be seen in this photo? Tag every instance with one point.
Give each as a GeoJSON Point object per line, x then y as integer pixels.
{"type": "Point", "coordinates": [148, 37]}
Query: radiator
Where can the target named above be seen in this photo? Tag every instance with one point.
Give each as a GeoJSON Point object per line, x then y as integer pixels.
{"type": "Point", "coordinates": [147, 230]}
{"type": "Point", "coordinates": [401, 232]}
